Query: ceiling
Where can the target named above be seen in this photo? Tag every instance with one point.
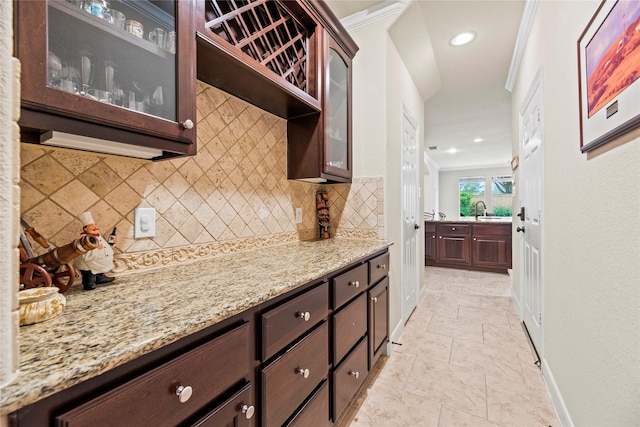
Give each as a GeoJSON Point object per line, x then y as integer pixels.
{"type": "Point", "coordinates": [468, 99]}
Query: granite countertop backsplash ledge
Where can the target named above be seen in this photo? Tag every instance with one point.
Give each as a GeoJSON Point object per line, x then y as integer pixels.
{"type": "Point", "coordinates": [138, 313]}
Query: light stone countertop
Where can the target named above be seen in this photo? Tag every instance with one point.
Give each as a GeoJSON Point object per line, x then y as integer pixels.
{"type": "Point", "coordinates": [141, 312]}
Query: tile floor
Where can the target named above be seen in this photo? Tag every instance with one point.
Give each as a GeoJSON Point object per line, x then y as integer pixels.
{"type": "Point", "coordinates": [464, 361]}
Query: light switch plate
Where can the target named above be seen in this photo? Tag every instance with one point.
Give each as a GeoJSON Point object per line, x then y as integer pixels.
{"type": "Point", "coordinates": [144, 223]}
{"type": "Point", "coordinates": [298, 215]}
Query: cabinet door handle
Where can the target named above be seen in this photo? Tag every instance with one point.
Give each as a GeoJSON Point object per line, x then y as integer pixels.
{"type": "Point", "coordinates": [356, 374]}
{"type": "Point", "coordinates": [184, 393]}
{"type": "Point", "coordinates": [187, 124]}
{"type": "Point", "coordinates": [304, 315]}
{"type": "Point", "coordinates": [355, 283]}
{"type": "Point", "coordinates": [382, 266]}
{"type": "Point", "coordinates": [303, 372]}
{"type": "Point", "coordinates": [248, 411]}
{"type": "Point", "coordinates": [374, 299]}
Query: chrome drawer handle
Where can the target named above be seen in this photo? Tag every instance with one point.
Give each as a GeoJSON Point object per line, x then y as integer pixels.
{"type": "Point", "coordinates": [374, 299]}
{"type": "Point", "coordinates": [356, 374]}
{"type": "Point", "coordinates": [248, 411]}
{"type": "Point", "coordinates": [303, 372]}
{"type": "Point", "coordinates": [355, 283]}
{"type": "Point", "coordinates": [184, 393]}
{"type": "Point", "coordinates": [382, 266]}
{"type": "Point", "coordinates": [304, 315]}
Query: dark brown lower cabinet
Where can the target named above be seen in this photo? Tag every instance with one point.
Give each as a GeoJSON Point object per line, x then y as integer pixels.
{"type": "Point", "coordinates": [378, 315]}
{"type": "Point", "coordinates": [316, 411]}
{"type": "Point", "coordinates": [473, 246]}
{"type": "Point", "coordinates": [288, 380]}
{"type": "Point", "coordinates": [171, 393]}
{"type": "Point", "coordinates": [237, 411]}
{"type": "Point", "coordinates": [295, 360]}
{"type": "Point", "coordinates": [348, 377]}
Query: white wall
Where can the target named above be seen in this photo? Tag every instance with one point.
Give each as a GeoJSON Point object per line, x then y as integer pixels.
{"type": "Point", "coordinates": [450, 188]}
{"type": "Point", "coordinates": [591, 230]}
{"type": "Point", "coordinates": [381, 85]}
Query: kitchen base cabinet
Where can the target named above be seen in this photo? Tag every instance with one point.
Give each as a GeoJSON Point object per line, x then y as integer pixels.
{"type": "Point", "coordinates": [295, 360]}
{"type": "Point", "coordinates": [378, 319]}
{"type": "Point", "coordinates": [234, 412]}
{"type": "Point", "coordinates": [315, 412]}
{"type": "Point", "coordinates": [472, 246]}
{"type": "Point", "coordinates": [173, 392]}
{"type": "Point", "coordinates": [288, 380]}
{"type": "Point", "coordinates": [348, 377]}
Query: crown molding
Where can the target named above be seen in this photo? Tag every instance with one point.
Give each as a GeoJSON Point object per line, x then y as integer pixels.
{"type": "Point", "coordinates": [464, 168]}
{"type": "Point", "coordinates": [526, 22]}
{"type": "Point", "coordinates": [373, 14]}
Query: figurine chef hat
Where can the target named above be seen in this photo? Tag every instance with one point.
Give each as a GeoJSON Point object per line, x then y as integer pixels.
{"type": "Point", "coordinates": [86, 218]}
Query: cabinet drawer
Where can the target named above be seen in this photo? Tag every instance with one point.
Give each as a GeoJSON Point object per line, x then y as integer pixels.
{"type": "Point", "coordinates": [453, 229]}
{"type": "Point", "coordinates": [316, 411]}
{"type": "Point", "coordinates": [349, 284]}
{"type": "Point", "coordinates": [378, 268]}
{"type": "Point", "coordinates": [348, 378]}
{"type": "Point", "coordinates": [285, 323]}
{"type": "Point", "coordinates": [284, 386]}
{"type": "Point", "coordinates": [152, 399]}
{"type": "Point", "coordinates": [236, 411]}
{"type": "Point", "coordinates": [349, 325]}
{"type": "Point", "coordinates": [492, 229]}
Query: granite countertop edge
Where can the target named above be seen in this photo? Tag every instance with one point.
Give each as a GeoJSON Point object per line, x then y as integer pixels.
{"type": "Point", "coordinates": [149, 310]}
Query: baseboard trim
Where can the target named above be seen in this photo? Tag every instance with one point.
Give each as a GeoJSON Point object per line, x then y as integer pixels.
{"type": "Point", "coordinates": [516, 302]}
{"type": "Point", "coordinates": [556, 397]}
{"type": "Point", "coordinates": [395, 336]}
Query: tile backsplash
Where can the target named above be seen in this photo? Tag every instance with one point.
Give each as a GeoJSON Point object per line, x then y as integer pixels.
{"type": "Point", "coordinates": [233, 195]}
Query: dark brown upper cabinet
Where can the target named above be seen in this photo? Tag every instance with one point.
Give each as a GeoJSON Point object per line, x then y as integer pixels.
{"type": "Point", "coordinates": [293, 59]}
{"type": "Point", "coordinates": [320, 145]}
{"type": "Point", "coordinates": [262, 51]}
{"type": "Point", "coordinates": [86, 72]}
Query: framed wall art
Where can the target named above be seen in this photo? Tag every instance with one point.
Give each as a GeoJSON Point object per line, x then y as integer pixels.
{"type": "Point", "coordinates": [609, 72]}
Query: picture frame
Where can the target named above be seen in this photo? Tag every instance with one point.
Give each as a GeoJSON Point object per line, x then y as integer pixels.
{"type": "Point", "coordinates": [609, 73]}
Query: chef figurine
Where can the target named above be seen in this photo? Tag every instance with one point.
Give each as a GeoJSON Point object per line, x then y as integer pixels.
{"type": "Point", "coordinates": [94, 263]}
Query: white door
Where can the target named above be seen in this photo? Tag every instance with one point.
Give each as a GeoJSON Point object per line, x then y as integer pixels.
{"type": "Point", "coordinates": [531, 179]}
{"type": "Point", "coordinates": [410, 215]}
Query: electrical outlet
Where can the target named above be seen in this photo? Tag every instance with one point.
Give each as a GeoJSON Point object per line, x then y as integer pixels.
{"type": "Point", "coordinates": [298, 215]}
{"type": "Point", "coordinates": [144, 223]}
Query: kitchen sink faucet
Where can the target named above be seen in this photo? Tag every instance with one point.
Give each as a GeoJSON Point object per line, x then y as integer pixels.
{"type": "Point", "coordinates": [484, 211]}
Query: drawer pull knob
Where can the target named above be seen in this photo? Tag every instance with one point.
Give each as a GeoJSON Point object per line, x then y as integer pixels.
{"type": "Point", "coordinates": [248, 411]}
{"type": "Point", "coordinates": [453, 229]}
{"type": "Point", "coordinates": [304, 315]}
{"type": "Point", "coordinates": [184, 393]}
{"type": "Point", "coordinates": [355, 283]}
{"type": "Point", "coordinates": [356, 374]}
{"type": "Point", "coordinates": [374, 299]}
{"type": "Point", "coordinates": [303, 372]}
{"type": "Point", "coordinates": [382, 266]}
{"type": "Point", "coordinates": [187, 124]}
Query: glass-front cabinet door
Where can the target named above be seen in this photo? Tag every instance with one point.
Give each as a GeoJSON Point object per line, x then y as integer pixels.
{"type": "Point", "coordinates": [109, 63]}
{"type": "Point", "coordinates": [337, 112]}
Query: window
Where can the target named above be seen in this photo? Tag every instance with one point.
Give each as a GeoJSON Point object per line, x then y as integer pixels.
{"type": "Point", "coordinates": [471, 192]}
{"type": "Point", "coordinates": [501, 194]}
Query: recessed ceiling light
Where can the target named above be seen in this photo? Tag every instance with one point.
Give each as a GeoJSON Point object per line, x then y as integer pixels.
{"type": "Point", "coordinates": [452, 150]}
{"type": "Point", "coordinates": [463, 38]}
{"type": "Point", "coordinates": [478, 140]}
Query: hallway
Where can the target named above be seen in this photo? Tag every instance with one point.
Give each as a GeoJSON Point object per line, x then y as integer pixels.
{"type": "Point", "coordinates": [464, 361]}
